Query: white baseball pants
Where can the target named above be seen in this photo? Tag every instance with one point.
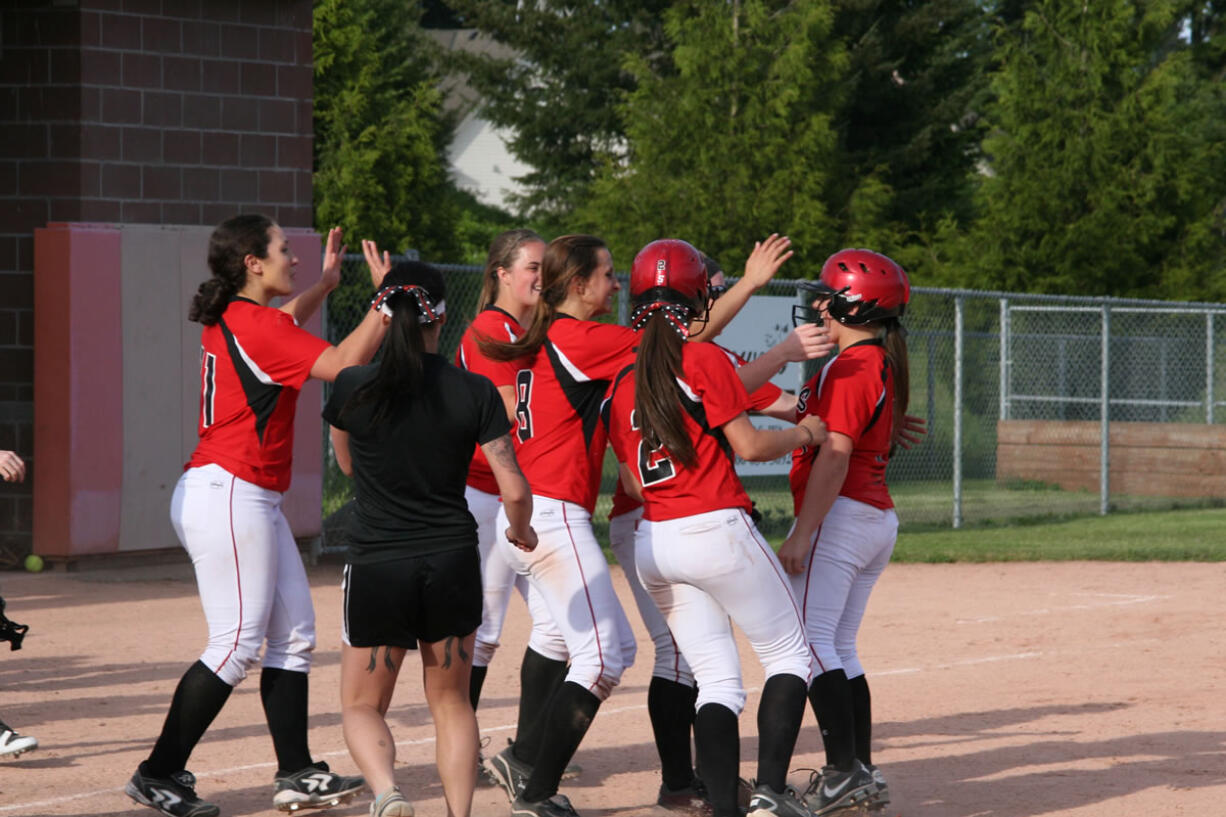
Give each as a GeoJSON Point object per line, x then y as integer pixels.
{"type": "Point", "coordinates": [849, 552]}
{"type": "Point", "coordinates": [253, 586]}
{"type": "Point", "coordinates": [568, 569]}
{"type": "Point", "coordinates": [700, 570]}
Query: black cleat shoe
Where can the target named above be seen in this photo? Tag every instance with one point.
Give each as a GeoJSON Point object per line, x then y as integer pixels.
{"type": "Point", "coordinates": [316, 786]}
{"type": "Point", "coordinates": [174, 796]}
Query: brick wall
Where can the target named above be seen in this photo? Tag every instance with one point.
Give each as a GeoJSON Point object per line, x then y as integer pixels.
{"type": "Point", "coordinates": [137, 111]}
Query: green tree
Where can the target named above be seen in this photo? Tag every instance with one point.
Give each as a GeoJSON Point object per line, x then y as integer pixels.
{"type": "Point", "coordinates": [729, 140]}
{"type": "Point", "coordinates": [909, 124]}
{"type": "Point", "coordinates": [380, 131]}
{"type": "Point", "coordinates": [1104, 158]}
{"type": "Point", "coordinates": [556, 89]}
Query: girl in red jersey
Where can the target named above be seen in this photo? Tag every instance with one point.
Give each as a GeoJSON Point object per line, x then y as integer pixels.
{"type": "Point", "coordinates": [226, 510]}
{"type": "Point", "coordinates": [565, 362]}
{"type": "Point", "coordinates": [671, 693]}
{"type": "Point", "coordinates": [509, 294]}
{"type": "Point", "coordinates": [675, 420]}
{"type": "Point", "coordinates": [845, 523]}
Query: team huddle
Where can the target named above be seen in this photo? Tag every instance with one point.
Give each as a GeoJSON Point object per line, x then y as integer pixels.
{"type": "Point", "coordinates": [477, 480]}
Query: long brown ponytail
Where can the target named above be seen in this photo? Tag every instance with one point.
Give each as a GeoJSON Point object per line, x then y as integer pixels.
{"type": "Point", "coordinates": [657, 406]}
{"type": "Point", "coordinates": [896, 354]}
{"type": "Point", "coordinates": [566, 258]}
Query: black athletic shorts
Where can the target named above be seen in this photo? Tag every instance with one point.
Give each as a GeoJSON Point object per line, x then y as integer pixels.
{"type": "Point", "coordinates": [427, 598]}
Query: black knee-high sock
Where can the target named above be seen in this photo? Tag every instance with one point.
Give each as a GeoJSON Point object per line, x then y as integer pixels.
{"type": "Point", "coordinates": [567, 721]}
{"type": "Point", "coordinates": [717, 735]}
{"type": "Point", "coordinates": [779, 715]}
{"type": "Point", "coordinates": [539, 679]}
{"type": "Point", "coordinates": [284, 694]}
{"type": "Point", "coordinates": [198, 698]}
{"type": "Point", "coordinates": [671, 708]}
{"type": "Point", "coordinates": [862, 707]}
{"type": "Point", "coordinates": [830, 695]}
{"type": "Point", "coordinates": [476, 680]}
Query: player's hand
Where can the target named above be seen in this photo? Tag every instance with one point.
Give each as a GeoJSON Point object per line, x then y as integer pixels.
{"type": "Point", "coordinates": [334, 255]}
{"type": "Point", "coordinates": [816, 426]}
{"type": "Point", "coordinates": [806, 342]}
{"type": "Point", "coordinates": [766, 259]}
{"type": "Point", "coordinates": [525, 540]}
{"type": "Point", "coordinates": [12, 468]}
{"type": "Point", "coordinates": [910, 431]}
{"type": "Point", "coordinates": [793, 553]}
{"type": "Point", "coordinates": [379, 265]}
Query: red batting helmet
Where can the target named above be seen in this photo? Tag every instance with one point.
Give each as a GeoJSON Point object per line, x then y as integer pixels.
{"type": "Point", "coordinates": [863, 286]}
{"type": "Point", "coordinates": [669, 270]}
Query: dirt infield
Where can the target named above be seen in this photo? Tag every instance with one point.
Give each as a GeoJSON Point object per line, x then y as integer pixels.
{"type": "Point", "coordinates": [1011, 690]}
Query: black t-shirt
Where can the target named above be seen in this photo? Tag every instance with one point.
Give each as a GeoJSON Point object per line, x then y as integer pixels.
{"type": "Point", "coordinates": [409, 471]}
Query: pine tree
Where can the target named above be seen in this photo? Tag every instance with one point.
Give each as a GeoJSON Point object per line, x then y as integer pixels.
{"type": "Point", "coordinates": [380, 133]}
{"type": "Point", "coordinates": [729, 140]}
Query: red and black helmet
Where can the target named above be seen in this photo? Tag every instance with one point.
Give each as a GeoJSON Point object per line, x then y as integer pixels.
{"type": "Point", "coordinates": [863, 286]}
{"type": "Point", "coordinates": [669, 270]}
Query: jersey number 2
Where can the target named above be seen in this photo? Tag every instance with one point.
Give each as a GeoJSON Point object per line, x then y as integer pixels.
{"type": "Point", "coordinates": [523, 400]}
{"type": "Point", "coordinates": [654, 464]}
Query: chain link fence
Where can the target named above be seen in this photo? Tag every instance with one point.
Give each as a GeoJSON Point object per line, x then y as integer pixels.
{"type": "Point", "coordinates": [1037, 406]}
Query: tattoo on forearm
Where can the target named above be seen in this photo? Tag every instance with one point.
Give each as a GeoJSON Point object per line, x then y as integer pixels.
{"type": "Point", "coordinates": [374, 651]}
{"type": "Point", "coordinates": [387, 659]}
{"type": "Point", "coordinates": [463, 656]}
{"type": "Point", "coordinates": [503, 452]}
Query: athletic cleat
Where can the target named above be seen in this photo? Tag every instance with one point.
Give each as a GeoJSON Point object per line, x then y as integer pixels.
{"type": "Point", "coordinates": [831, 789]}
{"type": "Point", "coordinates": [509, 772]}
{"type": "Point", "coordinates": [556, 806]}
{"type": "Point", "coordinates": [882, 798]}
{"type": "Point", "coordinates": [691, 800]}
{"type": "Point", "coordinates": [314, 787]}
{"type": "Point", "coordinates": [766, 802]}
{"type": "Point", "coordinates": [174, 796]}
{"type": "Point", "coordinates": [13, 744]}
{"type": "Point", "coordinates": [483, 775]}
{"type": "Point", "coordinates": [572, 771]}
{"type": "Point", "coordinates": [391, 804]}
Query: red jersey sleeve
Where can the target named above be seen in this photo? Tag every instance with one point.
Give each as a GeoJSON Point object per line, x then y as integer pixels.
{"type": "Point", "coordinates": [713, 377]}
{"type": "Point", "coordinates": [496, 325]}
{"type": "Point", "coordinates": [280, 349]}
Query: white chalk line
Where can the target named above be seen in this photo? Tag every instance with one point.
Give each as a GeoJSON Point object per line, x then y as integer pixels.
{"type": "Point", "coordinates": [1113, 600]}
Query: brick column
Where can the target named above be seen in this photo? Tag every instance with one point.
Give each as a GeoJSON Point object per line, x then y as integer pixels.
{"type": "Point", "coordinates": [137, 112]}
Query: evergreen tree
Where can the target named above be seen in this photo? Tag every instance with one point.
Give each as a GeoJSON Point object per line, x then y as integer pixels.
{"type": "Point", "coordinates": [731, 139]}
{"type": "Point", "coordinates": [380, 132]}
{"type": "Point", "coordinates": [1104, 159]}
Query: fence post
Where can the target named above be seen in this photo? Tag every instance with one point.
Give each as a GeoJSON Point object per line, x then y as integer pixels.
{"type": "Point", "coordinates": [1104, 454]}
{"type": "Point", "coordinates": [1004, 358]}
{"type": "Point", "coordinates": [1209, 368]}
{"type": "Point", "coordinates": [959, 335]}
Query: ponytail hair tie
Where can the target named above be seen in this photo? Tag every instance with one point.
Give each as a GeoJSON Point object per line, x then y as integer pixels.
{"type": "Point", "coordinates": [677, 315]}
{"type": "Point", "coordinates": [427, 312]}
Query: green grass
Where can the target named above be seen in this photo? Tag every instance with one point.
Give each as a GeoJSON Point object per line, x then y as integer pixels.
{"type": "Point", "coordinates": [1133, 536]}
{"type": "Point", "coordinates": [1017, 521]}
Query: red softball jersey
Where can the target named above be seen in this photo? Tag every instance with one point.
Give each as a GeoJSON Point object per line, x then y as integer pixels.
{"type": "Point", "coordinates": [496, 324]}
{"type": "Point", "coordinates": [854, 394]}
{"type": "Point", "coordinates": [760, 399]}
{"type": "Point", "coordinates": [253, 363]}
{"type": "Point", "coordinates": [557, 415]}
{"type": "Point", "coordinates": [711, 394]}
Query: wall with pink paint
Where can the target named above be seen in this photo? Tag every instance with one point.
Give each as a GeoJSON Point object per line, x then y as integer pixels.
{"type": "Point", "coordinates": [118, 375]}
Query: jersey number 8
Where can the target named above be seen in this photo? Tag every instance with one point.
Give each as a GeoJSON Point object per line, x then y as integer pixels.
{"type": "Point", "coordinates": [523, 399]}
